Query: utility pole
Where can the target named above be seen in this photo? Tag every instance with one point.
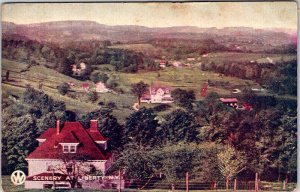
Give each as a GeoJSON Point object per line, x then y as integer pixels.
{"type": "Point", "coordinates": [234, 186]}
{"type": "Point", "coordinates": [119, 190]}
{"type": "Point", "coordinates": [256, 182]}
{"type": "Point", "coordinates": [187, 181]}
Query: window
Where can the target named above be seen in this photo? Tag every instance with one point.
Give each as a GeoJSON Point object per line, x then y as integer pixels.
{"type": "Point", "coordinates": [69, 148]}
{"type": "Point", "coordinates": [65, 148]}
{"type": "Point", "coordinates": [72, 149]}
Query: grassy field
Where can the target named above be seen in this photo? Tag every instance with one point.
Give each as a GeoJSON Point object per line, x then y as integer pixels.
{"type": "Point", "coordinates": [185, 78]}
{"type": "Point", "coordinates": [51, 79]}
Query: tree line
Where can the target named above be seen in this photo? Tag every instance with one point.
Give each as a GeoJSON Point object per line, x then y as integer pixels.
{"type": "Point", "coordinates": [21, 49]}
{"type": "Point", "coordinates": [280, 78]}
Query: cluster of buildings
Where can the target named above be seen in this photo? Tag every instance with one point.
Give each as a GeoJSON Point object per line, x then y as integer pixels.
{"type": "Point", "coordinates": [234, 103]}
{"type": "Point", "coordinates": [158, 94]}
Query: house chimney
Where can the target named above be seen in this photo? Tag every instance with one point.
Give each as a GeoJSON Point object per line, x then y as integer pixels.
{"type": "Point", "coordinates": [93, 125]}
{"type": "Point", "coordinates": [57, 127]}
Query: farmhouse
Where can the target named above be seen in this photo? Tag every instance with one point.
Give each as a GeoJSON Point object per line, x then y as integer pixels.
{"type": "Point", "coordinates": [231, 102]}
{"type": "Point", "coordinates": [77, 71]}
{"type": "Point", "coordinates": [158, 94]}
{"type": "Point", "coordinates": [101, 88]}
{"type": "Point", "coordinates": [163, 64]}
{"type": "Point", "coordinates": [66, 151]}
{"type": "Point", "coordinates": [177, 64]}
{"type": "Point", "coordinates": [191, 59]}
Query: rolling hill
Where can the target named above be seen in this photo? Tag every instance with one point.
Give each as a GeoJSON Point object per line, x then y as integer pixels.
{"type": "Point", "coordinates": [60, 32]}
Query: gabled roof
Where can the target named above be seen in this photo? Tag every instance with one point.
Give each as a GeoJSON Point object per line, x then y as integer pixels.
{"type": "Point", "coordinates": [154, 88]}
{"type": "Point", "coordinates": [48, 133]}
{"type": "Point", "coordinates": [85, 85]}
{"type": "Point", "coordinates": [97, 136]}
{"type": "Point", "coordinates": [69, 138]}
{"type": "Point", "coordinates": [71, 132]}
{"type": "Point", "coordinates": [229, 100]}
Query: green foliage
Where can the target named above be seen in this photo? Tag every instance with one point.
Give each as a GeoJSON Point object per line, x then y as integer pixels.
{"type": "Point", "coordinates": [178, 126]}
{"type": "Point", "coordinates": [230, 162]}
{"type": "Point", "coordinates": [284, 80]}
{"type": "Point", "coordinates": [42, 102]}
{"type": "Point", "coordinates": [139, 89]}
{"type": "Point", "coordinates": [140, 127]}
{"type": "Point", "coordinates": [65, 67]}
{"type": "Point", "coordinates": [111, 83]}
{"type": "Point", "coordinates": [184, 98]}
{"type": "Point", "coordinates": [107, 125]}
{"type": "Point", "coordinates": [97, 76]}
{"type": "Point", "coordinates": [92, 96]}
{"type": "Point", "coordinates": [18, 141]}
{"type": "Point", "coordinates": [174, 161]}
{"type": "Point", "coordinates": [135, 161]}
{"type": "Point", "coordinates": [63, 88]}
{"type": "Point", "coordinates": [23, 122]}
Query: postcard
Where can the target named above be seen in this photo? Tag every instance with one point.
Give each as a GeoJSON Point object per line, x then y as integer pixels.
{"type": "Point", "coordinates": [149, 96]}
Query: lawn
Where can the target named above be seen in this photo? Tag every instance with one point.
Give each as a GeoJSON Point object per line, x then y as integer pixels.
{"type": "Point", "coordinates": [185, 78]}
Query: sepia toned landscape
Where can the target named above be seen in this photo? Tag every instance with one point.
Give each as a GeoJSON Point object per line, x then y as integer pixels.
{"type": "Point", "coordinates": [150, 99]}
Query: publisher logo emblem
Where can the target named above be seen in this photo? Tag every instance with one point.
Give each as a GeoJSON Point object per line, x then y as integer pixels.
{"type": "Point", "coordinates": [18, 177]}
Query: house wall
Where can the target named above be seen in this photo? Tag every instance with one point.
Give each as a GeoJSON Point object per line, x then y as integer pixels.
{"type": "Point", "coordinates": [39, 166]}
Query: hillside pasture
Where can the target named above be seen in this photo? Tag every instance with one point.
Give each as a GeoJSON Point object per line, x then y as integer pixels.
{"type": "Point", "coordinates": [184, 78]}
{"type": "Point", "coordinates": [50, 79]}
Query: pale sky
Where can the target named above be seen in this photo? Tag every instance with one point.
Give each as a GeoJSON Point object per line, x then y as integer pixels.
{"type": "Point", "coordinates": [201, 14]}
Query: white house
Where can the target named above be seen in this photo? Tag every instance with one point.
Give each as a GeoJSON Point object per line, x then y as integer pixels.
{"type": "Point", "coordinates": [177, 64]}
{"type": "Point", "coordinates": [77, 71]}
{"type": "Point", "coordinates": [162, 64]}
{"type": "Point", "coordinates": [68, 150]}
{"type": "Point", "coordinates": [191, 59]}
{"type": "Point", "coordinates": [101, 88]}
{"type": "Point", "coordinates": [158, 94]}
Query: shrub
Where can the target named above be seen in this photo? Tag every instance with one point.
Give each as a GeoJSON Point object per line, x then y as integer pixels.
{"type": "Point", "coordinates": [111, 83]}
{"type": "Point", "coordinates": [111, 104]}
{"type": "Point", "coordinates": [63, 88]}
{"type": "Point", "coordinates": [161, 107]}
{"type": "Point", "coordinates": [101, 103]}
{"type": "Point", "coordinates": [97, 76]}
{"type": "Point", "coordinates": [93, 96]}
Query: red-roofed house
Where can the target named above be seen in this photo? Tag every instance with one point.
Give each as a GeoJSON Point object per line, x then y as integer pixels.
{"type": "Point", "coordinates": [231, 102]}
{"type": "Point", "coordinates": [158, 94]}
{"type": "Point", "coordinates": [60, 145]}
{"type": "Point", "coordinates": [86, 87]}
{"type": "Point", "coordinates": [162, 64]}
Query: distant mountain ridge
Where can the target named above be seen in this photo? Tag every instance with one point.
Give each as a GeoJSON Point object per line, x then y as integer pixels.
{"type": "Point", "coordinates": [65, 31]}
